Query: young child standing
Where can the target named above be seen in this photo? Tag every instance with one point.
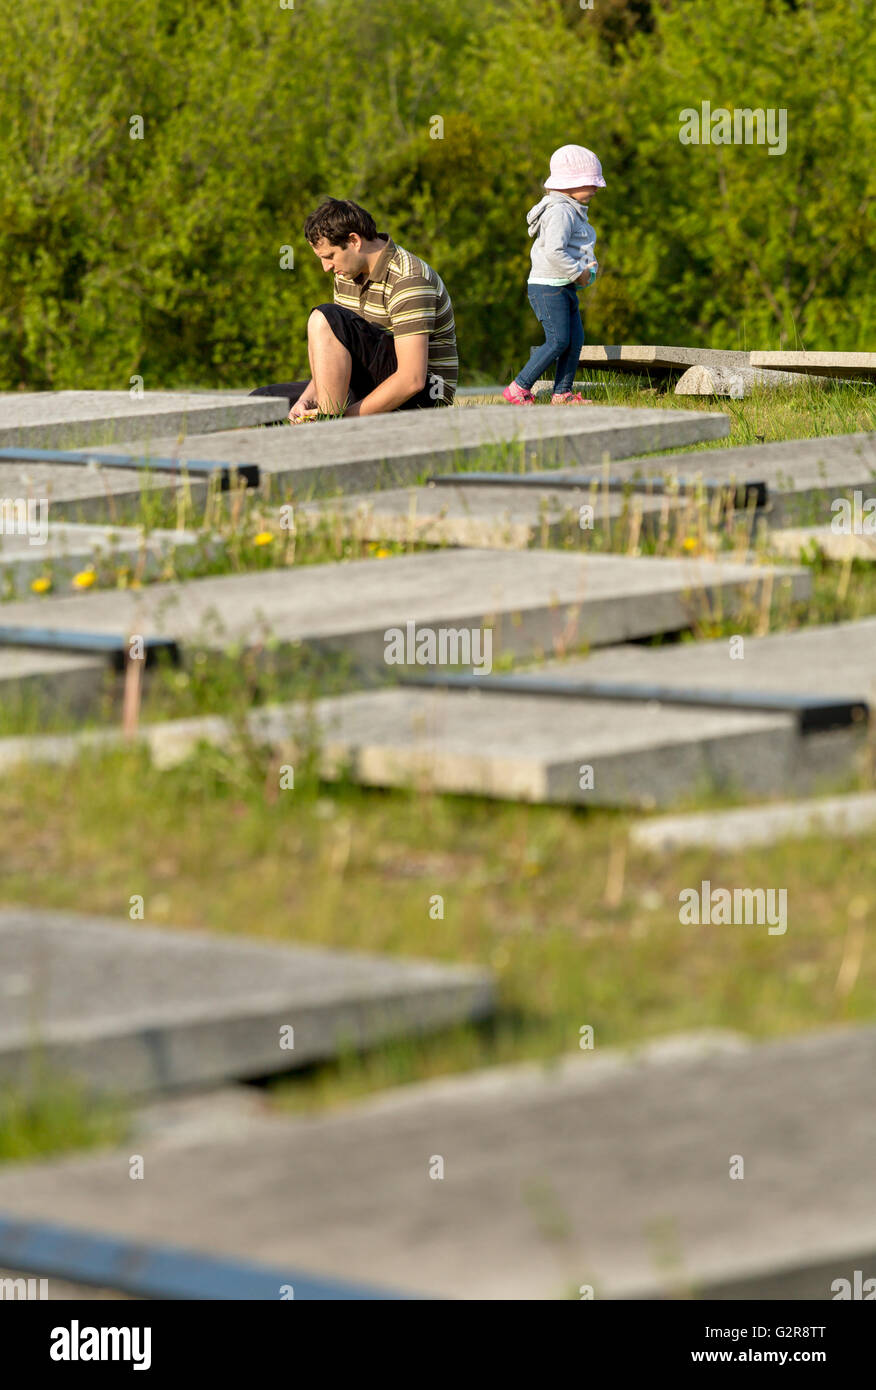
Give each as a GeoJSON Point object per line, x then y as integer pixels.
{"type": "Point", "coordinates": [562, 258]}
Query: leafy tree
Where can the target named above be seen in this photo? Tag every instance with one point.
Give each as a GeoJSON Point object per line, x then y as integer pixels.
{"type": "Point", "coordinates": [162, 255]}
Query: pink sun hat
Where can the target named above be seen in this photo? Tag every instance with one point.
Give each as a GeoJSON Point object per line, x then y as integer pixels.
{"type": "Point", "coordinates": [572, 167]}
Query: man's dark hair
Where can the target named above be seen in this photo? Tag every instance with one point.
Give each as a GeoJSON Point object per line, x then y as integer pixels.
{"type": "Point", "coordinates": [335, 219]}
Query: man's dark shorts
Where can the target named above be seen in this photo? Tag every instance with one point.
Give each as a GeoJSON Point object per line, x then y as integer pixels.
{"type": "Point", "coordinates": [372, 351]}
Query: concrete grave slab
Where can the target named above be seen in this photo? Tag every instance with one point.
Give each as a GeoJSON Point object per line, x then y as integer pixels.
{"type": "Point", "coordinates": [803, 476]}
{"type": "Point", "coordinates": [513, 747]}
{"type": "Point", "coordinates": [535, 602]}
{"type": "Point", "coordinates": [835, 660]}
{"type": "Point", "coordinates": [734, 382]}
{"type": "Point", "coordinates": [352, 455]}
{"type": "Point", "coordinates": [135, 1009]}
{"type": "Point", "coordinates": [662, 360]}
{"type": "Point", "coordinates": [827, 817]}
{"type": "Point", "coordinates": [95, 495]}
{"type": "Point", "coordinates": [36, 682]}
{"type": "Point", "coordinates": [527, 748]}
{"type": "Point", "coordinates": [504, 518]}
{"type": "Point", "coordinates": [335, 456]}
{"type": "Point", "coordinates": [69, 549]}
{"type": "Point", "coordinates": [842, 364]}
{"type": "Point", "coordinates": [510, 748]}
{"type": "Point", "coordinates": [494, 391]}
{"type": "Point", "coordinates": [348, 1196]}
{"type": "Point", "coordinates": [795, 541]}
{"type": "Point", "coordinates": [67, 419]}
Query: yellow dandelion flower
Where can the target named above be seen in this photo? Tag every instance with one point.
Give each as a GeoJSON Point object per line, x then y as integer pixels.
{"type": "Point", "coordinates": [84, 579]}
{"type": "Point", "coordinates": [382, 554]}
{"type": "Point", "coordinates": [263, 538]}
{"type": "Point", "coordinates": [689, 543]}
{"type": "Point", "coordinates": [41, 585]}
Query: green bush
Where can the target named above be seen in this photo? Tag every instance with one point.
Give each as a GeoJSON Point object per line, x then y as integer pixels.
{"type": "Point", "coordinates": [162, 256]}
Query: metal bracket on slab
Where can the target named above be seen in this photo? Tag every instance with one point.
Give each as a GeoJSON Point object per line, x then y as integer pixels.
{"type": "Point", "coordinates": [159, 1271]}
{"type": "Point", "coordinates": [745, 493]}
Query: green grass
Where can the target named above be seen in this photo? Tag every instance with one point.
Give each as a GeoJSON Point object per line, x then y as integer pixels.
{"type": "Point", "coordinates": [241, 531]}
{"type": "Point", "coordinates": [51, 1114]}
{"type": "Point", "coordinates": [803, 411]}
{"type": "Point", "coordinates": [232, 680]}
{"type": "Point", "coordinates": [577, 930]}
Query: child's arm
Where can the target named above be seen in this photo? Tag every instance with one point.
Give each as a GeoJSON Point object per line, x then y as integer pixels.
{"type": "Point", "coordinates": [555, 230]}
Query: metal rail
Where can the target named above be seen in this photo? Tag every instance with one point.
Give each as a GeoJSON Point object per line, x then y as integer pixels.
{"type": "Point", "coordinates": [249, 472]}
{"type": "Point", "coordinates": [89, 644]}
{"type": "Point", "coordinates": [159, 1271]}
{"type": "Point", "coordinates": [744, 494]}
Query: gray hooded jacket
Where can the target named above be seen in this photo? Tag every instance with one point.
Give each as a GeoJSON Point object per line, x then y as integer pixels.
{"type": "Point", "coordinates": [564, 239]}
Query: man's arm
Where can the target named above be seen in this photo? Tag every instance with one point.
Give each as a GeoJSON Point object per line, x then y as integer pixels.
{"type": "Point", "coordinates": [409, 377]}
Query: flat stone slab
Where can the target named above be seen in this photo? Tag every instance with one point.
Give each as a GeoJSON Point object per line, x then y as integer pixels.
{"type": "Point", "coordinates": [513, 747]}
{"type": "Point", "coordinates": [67, 419]}
{"type": "Point", "coordinates": [86, 494]}
{"type": "Point", "coordinates": [836, 660]}
{"type": "Point", "coordinates": [494, 391]}
{"type": "Point", "coordinates": [134, 1009]}
{"type": "Point", "coordinates": [70, 549]}
{"type": "Point", "coordinates": [37, 681]}
{"type": "Point", "coordinates": [803, 476]}
{"type": "Point", "coordinates": [642, 358]}
{"type": "Point", "coordinates": [525, 748]}
{"type": "Point", "coordinates": [533, 602]}
{"type": "Point", "coordinates": [830, 816]}
{"type": "Point", "coordinates": [545, 386]}
{"type": "Point", "coordinates": [583, 1172]}
{"type": "Point", "coordinates": [833, 545]}
{"type": "Point", "coordinates": [844, 364]}
{"type": "Point", "coordinates": [594, 752]}
{"type": "Point", "coordinates": [504, 518]}
{"type": "Point", "coordinates": [335, 456]}
{"type": "Point", "coordinates": [353, 454]}
{"type": "Point", "coordinates": [734, 382]}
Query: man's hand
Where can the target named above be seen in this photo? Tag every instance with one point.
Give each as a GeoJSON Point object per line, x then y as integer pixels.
{"type": "Point", "coordinates": [304, 408]}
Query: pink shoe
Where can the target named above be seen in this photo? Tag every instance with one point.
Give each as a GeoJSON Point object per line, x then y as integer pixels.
{"type": "Point", "coordinates": [571, 398]}
{"type": "Point", "coordinates": [517, 395]}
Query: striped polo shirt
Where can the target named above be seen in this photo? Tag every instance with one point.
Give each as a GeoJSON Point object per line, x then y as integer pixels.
{"type": "Point", "coordinates": [406, 296]}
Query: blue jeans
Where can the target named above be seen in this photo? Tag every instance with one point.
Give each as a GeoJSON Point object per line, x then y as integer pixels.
{"type": "Point", "coordinates": [556, 308]}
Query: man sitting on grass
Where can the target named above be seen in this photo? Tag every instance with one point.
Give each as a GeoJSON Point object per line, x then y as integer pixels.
{"type": "Point", "coordinates": [388, 341]}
